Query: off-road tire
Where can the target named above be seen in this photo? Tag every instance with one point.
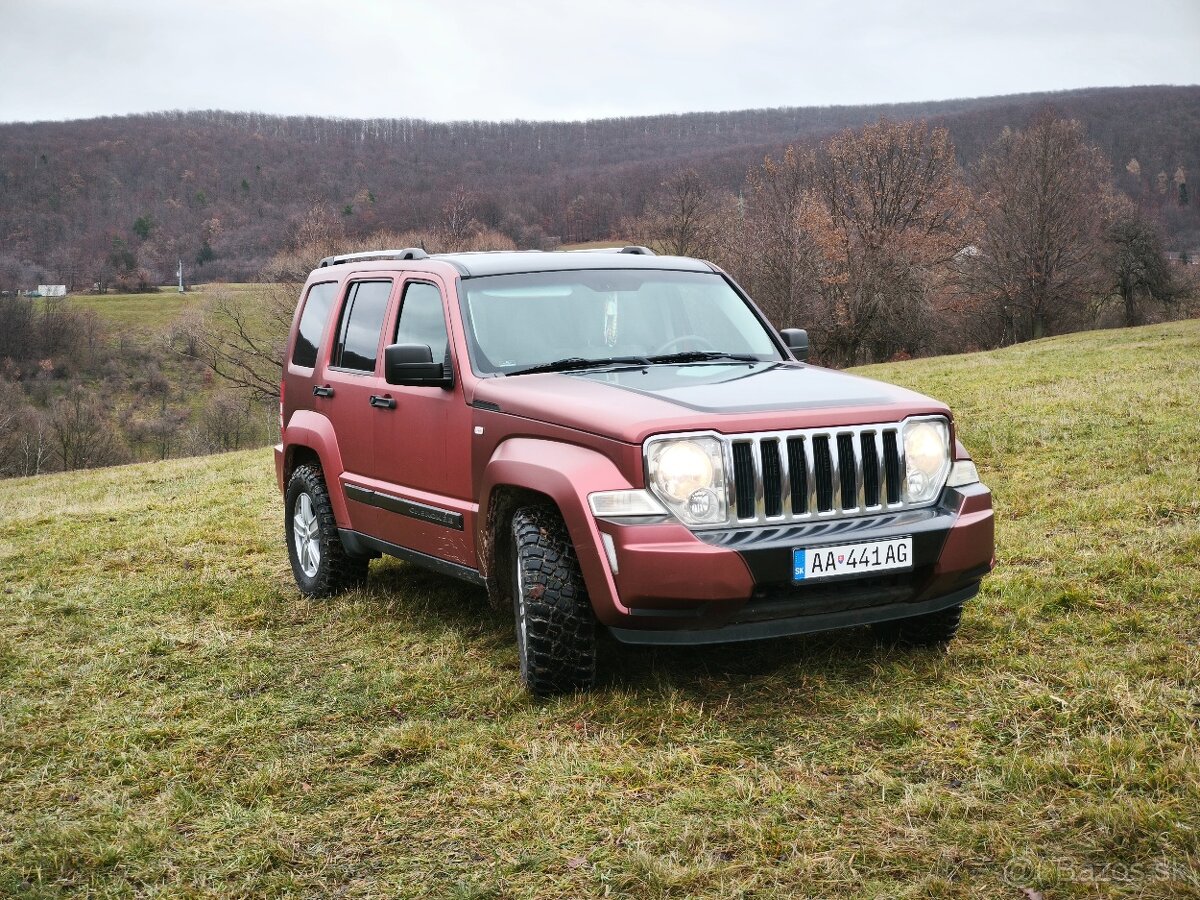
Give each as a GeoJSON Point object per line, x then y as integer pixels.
{"type": "Point", "coordinates": [337, 570]}
{"type": "Point", "coordinates": [936, 629]}
{"type": "Point", "coordinates": [556, 630]}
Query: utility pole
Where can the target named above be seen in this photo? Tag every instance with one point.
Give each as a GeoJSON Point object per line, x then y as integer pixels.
{"type": "Point", "coordinates": [179, 274]}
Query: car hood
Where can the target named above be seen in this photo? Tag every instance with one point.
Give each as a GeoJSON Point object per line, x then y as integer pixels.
{"type": "Point", "coordinates": [631, 404]}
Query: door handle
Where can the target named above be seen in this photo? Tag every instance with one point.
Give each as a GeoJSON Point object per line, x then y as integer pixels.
{"type": "Point", "coordinates": [323, 390]}
{"type": "Point", "coordinates": [382, 402]}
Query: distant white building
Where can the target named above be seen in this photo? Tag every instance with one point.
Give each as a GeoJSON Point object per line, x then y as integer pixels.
{"type": "Point", "coordinates": [52, 290]}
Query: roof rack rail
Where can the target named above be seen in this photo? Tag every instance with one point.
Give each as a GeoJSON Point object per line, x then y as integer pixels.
{"type": "Point", "coordinates": [406, 253]}
{"type": "Point", "coordinates": [632, 248]}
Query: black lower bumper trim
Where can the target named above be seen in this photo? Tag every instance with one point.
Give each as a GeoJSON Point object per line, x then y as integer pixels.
{"type": "Point", "coordinates": [754, 631]}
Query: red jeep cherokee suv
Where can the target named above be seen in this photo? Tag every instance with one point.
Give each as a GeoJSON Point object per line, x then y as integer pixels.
{"type": "Point", "coordinates": [618, 438]}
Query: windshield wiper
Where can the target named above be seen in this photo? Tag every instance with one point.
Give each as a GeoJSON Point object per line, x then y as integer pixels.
{"type": "Point", "coordinates": [573, 363]}
{"type": "Point", "coordinates": [688, 356]}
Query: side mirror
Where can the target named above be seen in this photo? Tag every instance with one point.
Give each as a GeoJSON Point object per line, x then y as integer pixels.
{"type": "Point", "coordinates": [412, 365]}
{"type": "Point", "coordinates": [797, 341]}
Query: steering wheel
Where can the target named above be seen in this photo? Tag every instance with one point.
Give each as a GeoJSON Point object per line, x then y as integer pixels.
{"type": "Point", "coordinates": [698, 338]}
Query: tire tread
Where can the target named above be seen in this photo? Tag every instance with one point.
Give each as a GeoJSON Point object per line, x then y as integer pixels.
{"type": "Point", "coordinates": [560, 645]}
{"type": "Point", "coordinates": [339, 570]}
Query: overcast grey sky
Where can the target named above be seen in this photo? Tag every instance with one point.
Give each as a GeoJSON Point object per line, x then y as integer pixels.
{"type": "Point", "coordinates": [540, 60]}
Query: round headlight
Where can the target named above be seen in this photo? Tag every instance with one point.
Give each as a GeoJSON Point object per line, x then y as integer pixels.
{"type": "Point", "coordinates": [683, 469]}
{"type": "Point", "coordinates": [925, 448]}
{"type": "Point", "coordinates": [926, 458]}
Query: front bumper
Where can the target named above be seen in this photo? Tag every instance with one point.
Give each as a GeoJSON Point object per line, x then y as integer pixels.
{"type": "Point", "coordinates": [674, 586]}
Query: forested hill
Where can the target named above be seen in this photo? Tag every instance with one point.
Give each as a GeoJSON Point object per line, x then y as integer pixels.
{"type": "Point", "coordinates": [222, 188]}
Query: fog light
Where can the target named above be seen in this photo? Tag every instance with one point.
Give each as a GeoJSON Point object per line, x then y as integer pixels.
{"type": "Point", "coordinates": [701, 504]}
{"type": "Point", "coordinates": [916, 484]}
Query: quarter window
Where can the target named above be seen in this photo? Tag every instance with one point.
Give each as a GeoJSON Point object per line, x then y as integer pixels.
{"type": "Point", "coordinates": [422, 320]}
{"type": "Point", "coordinates": [312, 323]}
{"type": "Point", "coordinates": [362, 325]}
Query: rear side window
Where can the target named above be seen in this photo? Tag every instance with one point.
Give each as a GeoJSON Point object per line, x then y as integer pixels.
{"type": "Point", "coordinates": [362, 324]}
{"type": "Point", "coordinates": [422, 320]}
{"type": "Point", "coordinates": [312, 323]}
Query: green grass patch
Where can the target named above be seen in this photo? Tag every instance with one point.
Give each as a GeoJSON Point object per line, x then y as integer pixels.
{"type": "Point", "coordinates": [176, 720]}
{"type": "Point", "coordinates": [149, 312]}
{"type": "Point", "coordinates": [152, 311]}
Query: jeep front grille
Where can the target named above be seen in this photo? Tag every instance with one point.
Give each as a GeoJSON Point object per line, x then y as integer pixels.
{"type": "Point", "coordinates": [817, 473]}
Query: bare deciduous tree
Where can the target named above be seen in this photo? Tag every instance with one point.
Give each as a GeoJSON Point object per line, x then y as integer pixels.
{"type": "Point", "coordinates": [240, 337]}
{"type": "Point", "coordinates": [227, 422]}
{"type": "Point", "coordinates": [17, 328]}
{"type": "Point", "coordinates": [24, 441]}
{"type": "Point", "coordinates": [780, 262]}
{"type": "Point", "coordinates": [8, 434]}
{"type": "Point", "coordinates": [897, 213]}
{"type": "Point", "coordinates": [1042, 197]}
{"type": "Point", "coordinates": [82, 432]}
{"type": "Point", "coordinates": [458, 221]}
{"type": "Point", "coordinates": [1137, 269]}
{"type": "Point", "coordinates": [687, 216]}
{"type": "Point", "coordinates": [32, 451]}
{"type": "Point", "coordinates": [855, 239]}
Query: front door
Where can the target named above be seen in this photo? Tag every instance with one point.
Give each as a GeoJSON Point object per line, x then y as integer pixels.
{"type": "Point", "coordinates": [423, 443]}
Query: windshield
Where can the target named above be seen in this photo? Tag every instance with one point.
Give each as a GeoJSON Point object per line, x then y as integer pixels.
{"type": "Point", "coordinates": [535, 320]}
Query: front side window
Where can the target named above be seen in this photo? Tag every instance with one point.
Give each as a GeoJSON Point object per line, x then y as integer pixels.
{"type": "Point", "coordinates": [312, 323]}
{"type": "Point", "coordinates": [522, 321]}
{"type": "Point", "coordinates": [422, 320]}
{"type": "Point", "coordinates": [362, 325]}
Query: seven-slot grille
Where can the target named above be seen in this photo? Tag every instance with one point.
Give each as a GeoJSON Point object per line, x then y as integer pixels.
{"type": "Point", "coordinates": [790, 476]}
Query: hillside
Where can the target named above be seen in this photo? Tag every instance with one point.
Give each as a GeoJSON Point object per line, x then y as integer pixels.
{"type": "Point", "coordinates": [174, 718]}
{"type": "Point", "coordinates": [225, 187]}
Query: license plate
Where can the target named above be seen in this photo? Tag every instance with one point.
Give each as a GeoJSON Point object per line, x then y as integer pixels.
{"type": "Point", "coordinates": [851, 559]}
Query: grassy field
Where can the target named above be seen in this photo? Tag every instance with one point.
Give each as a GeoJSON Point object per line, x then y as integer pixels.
{"type": "Point", "coordinates": [149, 312]}
{"type": "Point", "coordinates": [176, 721]}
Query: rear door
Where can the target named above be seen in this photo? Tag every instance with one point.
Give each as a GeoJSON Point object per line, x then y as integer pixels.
{"type": "Point", "coordinates": [313, 322]}
{"type": "Point", "coordinates": [352, 384]}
